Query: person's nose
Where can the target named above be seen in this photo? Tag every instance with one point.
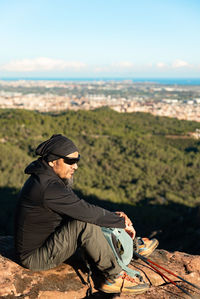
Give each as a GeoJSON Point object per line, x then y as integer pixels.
{"type": "Point", "coordinates": [75, 166]}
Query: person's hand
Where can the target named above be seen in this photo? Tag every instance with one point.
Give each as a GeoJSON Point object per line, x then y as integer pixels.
{"type": "Point", "coordinates": [131, 231]}
{"type": "Point", "coordinates": [128, 224]}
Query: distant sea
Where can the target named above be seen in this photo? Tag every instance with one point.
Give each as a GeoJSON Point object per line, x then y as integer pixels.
{"type": "Point", "coordinates": [164, 81]}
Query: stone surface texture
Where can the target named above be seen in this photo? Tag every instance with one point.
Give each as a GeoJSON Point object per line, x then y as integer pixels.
{"type": "Point", "coordinates": [69, 280]}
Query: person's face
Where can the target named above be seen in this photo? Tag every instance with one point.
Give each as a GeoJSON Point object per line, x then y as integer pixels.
{"type": "Point", "coordinates": [62, 169]}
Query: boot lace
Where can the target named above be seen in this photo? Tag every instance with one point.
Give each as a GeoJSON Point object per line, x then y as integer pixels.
{"type": "Point", "coordinates": [127, 277]}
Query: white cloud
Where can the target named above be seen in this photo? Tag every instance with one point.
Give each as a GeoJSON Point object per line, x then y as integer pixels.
{"type": "Point", "coordinates": [117, 66]}
{"type": "Point", "coordinates": [161, 65]}
{"type": "Point", "coordinates": [41, 64]}
{"type": "Point", "coordinates": [177, 64]}
{"type": "Point", "coordinates": [122, 64]}
{"type": "Point", "coordinates": [180, 63]}
{"type": "Point", "coordinates": [100, 69]}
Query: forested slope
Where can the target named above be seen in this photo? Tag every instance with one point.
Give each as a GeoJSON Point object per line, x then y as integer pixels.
{"type": "Point", "coordinates": [127, 159]}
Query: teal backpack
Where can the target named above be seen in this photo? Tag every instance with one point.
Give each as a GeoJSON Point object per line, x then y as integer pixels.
{"type": "Point", "coordinates": [123, 247]}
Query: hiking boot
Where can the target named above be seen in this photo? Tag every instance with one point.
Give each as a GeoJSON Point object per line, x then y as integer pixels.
{"type": "Point", "coordinates": [146, 246]}
{"type": "Point", "coordinates": [124, 283]}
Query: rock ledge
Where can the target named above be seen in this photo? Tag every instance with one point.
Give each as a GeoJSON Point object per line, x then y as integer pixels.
{"type": "Point", "coordinates": [68, 281]}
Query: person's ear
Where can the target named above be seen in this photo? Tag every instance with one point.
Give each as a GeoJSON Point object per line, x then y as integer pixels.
{"type": "Point", "coordinates": [51, 164]}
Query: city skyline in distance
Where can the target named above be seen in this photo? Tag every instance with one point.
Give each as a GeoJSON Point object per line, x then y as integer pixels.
{"type": "Point", "coordinates": [100, 39]}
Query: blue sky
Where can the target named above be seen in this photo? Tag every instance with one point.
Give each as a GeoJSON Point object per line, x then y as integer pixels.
{"type": "Point", "coordinates": [100, 38]}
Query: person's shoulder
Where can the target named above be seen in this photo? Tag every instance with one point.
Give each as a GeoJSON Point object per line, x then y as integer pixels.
{"type": "Point", "coordinates": [55, 188]}
{"type": "Point", "coordinates": [56, 183]}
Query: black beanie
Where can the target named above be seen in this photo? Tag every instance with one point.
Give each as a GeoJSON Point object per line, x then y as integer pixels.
{"type": "Point", "coordinates": [57, 144]}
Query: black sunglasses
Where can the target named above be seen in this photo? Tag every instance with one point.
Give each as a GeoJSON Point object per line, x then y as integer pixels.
{"type": "Point", "coordinates": [68, 160]}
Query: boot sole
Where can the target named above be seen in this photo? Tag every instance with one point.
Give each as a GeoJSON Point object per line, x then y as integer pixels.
{"type": "Point", "coordinates": [125, 290]}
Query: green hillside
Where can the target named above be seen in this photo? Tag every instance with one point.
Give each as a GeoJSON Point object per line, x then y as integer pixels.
{"type": "Point", "coordinates": [126, 159]}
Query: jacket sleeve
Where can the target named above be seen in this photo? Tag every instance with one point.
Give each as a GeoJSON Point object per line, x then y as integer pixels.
{"type": "Point", "coordinates": [61, 199]}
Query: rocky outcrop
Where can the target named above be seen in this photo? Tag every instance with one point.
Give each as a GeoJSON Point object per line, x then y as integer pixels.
{"type": "Point", "coordinates": [69, 280]}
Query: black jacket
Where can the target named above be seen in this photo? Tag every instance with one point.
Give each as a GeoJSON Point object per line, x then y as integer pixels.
{"type": "Point", "coordinates": [45, 202]}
